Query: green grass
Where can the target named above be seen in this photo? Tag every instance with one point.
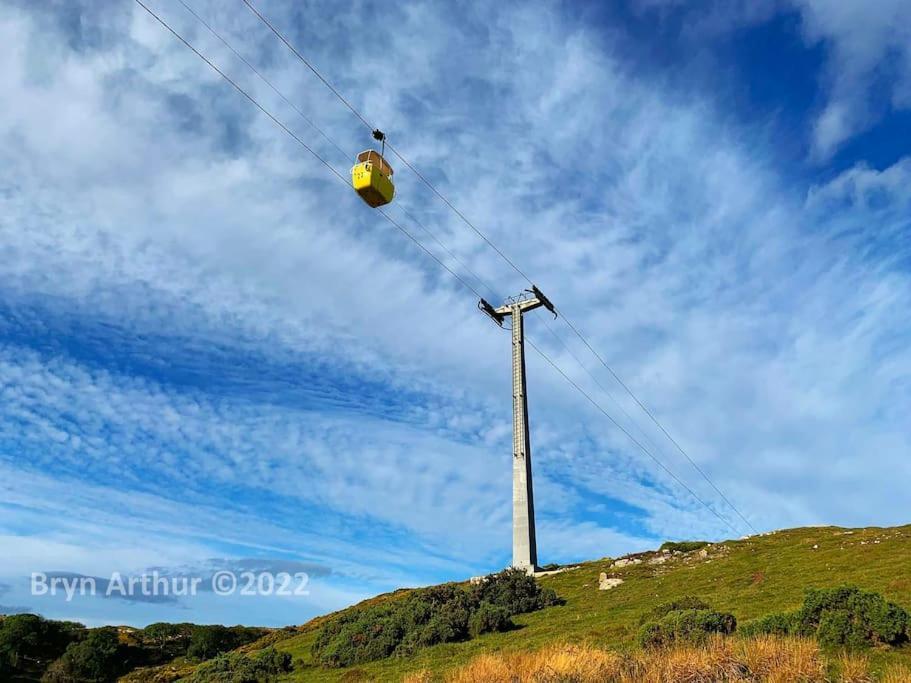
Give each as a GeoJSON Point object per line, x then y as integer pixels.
{"type": "Point", "coordinates": [749, 578]}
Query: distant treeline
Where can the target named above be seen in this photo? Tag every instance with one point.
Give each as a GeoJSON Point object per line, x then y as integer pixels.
{"type": "Point", "coordinates": [32, 647]}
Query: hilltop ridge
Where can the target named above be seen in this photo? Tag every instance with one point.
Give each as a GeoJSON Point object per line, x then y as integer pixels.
{"type": "Point", "coordinates": [749, 577]}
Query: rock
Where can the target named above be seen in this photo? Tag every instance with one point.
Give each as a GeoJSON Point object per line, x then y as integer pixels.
{"type": "Point", "coordinates": [658, 559]}
{"type": "Point", "coordinates": [815, 546]}
{"type": "Point", "coordinates": [606, 583]}
{"type": "Point", "coordinates": [627, 562]}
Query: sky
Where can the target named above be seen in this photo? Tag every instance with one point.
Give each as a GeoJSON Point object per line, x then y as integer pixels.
{"type": "Point", "coordinates": [215, 357]}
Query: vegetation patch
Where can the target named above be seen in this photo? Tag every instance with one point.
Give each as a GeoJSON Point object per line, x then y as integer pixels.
{"type": "Point", "coordinates": [28, 643]}
{"type": "Point", "coordinates": [731, 660]}
{"type": "Point", "coordinates": [429, 616]}
{"type": "Point", "coordinates": [689, 626]}
{"type": "Point", "coordinates": [687, 602]}
{"type": "Point", "coordinates": [261, 667]}
{"type": "Point", "coordinates": [97, 658]}
{"type": "Point", "coordinates": [33, 648]}
{"type": "Point", "coordinates": [840, 617]}
{"type": "Point", "coordinates": [683, 546]}
{"type": "Point", "coordinates": [786, 561]}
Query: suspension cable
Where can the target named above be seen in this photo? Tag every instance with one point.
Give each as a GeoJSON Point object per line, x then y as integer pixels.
{"type": "Point", "coordinates": [619, 426]}
{"type": "Point", "coordinates": [484, 237]}
{"type": "Point", "coordinates": [328, 139]}
{"type": "Point", "coordinates": [407, 233]}
{"type": "Point", "coordinates": [303, 144]}
{"type": "Point", "coordinates": [370, 127]}
{"type": "Point", "coordinates": [658, 424]}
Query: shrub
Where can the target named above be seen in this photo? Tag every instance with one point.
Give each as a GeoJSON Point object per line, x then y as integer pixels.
{"type": "Point", "coordinates": [171, 640]}
{"type": "Point", "coordinates": [686, 602]}
{"type": "Point", "coordinates": [366, 634]}
{"type": "Point", "coordinates": [29, 638]}
{"type": "Point", "coordinates": [863, 618]}
{"type": "Point", "coordinates": [263, 667]}
{"type": "Point", "coordinates": [837, 627]}
{"type": "Point", "coordinates": [515, 591]}
{"type": "Point", "coordinates": [691, 626]}
{"type": "Point", "coordinates": [683, 546]}
{"type": "Point", "coordinates": [488, 619]}
{"type": "Point", "coordinates": [206, 642]}
{"type": "Point", "coordinates": [441, 614]}
{"type": "Point", "coordinates": [773, 625]}
{"type": "Point", "coordinates": [98, 658]}
{"type": "Point", "coordinates": [845, 616]}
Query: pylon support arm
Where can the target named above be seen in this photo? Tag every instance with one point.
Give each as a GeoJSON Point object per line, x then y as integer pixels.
{"type": "Point", "coordinates": [539, 295]}
{"type": "Point", "coordinates": [495, 315]}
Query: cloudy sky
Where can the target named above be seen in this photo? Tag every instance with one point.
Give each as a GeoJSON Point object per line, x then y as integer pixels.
{"type": "Point", "coordinates": [214, 356]}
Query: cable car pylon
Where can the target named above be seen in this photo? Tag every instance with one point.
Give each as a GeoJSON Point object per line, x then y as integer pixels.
{"type": "Point", "coordinates": [524, 541]}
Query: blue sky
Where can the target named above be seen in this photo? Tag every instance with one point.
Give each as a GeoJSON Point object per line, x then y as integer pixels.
{"type": "Point", "coordinates": [213, 356]}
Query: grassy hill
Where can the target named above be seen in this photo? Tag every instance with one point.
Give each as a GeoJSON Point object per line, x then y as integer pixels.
{"type": "Point", "coordinates": [750, 578]}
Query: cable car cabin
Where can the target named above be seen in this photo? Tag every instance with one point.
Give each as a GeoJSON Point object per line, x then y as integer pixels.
{"type": "Point", "coordinates": [371, 178]}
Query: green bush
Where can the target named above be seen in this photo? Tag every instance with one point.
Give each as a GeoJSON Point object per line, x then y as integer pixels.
{"type": "Point", "coordinates": [206, 642]}
{"type": "Point", "coordinates": [684, 603]}
{"type": "Point", "coordinates": [28, 638]}
{"type": "Point", "coordinates": [515, 591]}
{"type": "Point", "coordinates": [99, 658]}
{"type": "Point", "coordinates": [263, 667]}
{"type": "Point", "coordinates": [840, 617]}
{"type": "Point", "coordinates": [683, 546]}
{"type": "Point", "coordinates": [838, 628]}
{"type": "Point", "coordinates": [488, 619]}
{"type": "Point", "coordinates": [441, 614]}
{"type": "Point", "coordinates": [852, 617]}
{"type": "Point", "coordinates": [691, 626]}
{"type": "Point", "coordinates": [166, 639]}
{"type": "Point", "coordinates": [365, 634]}
{"type": "Point", "coordinates": [773, 624]}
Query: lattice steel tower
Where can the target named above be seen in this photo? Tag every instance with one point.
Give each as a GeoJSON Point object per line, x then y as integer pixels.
{"type": "Point", "coordinates": [524, 546]}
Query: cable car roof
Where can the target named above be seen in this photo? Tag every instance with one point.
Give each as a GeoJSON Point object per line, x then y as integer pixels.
{"type": "Point", "coordinates": [376, 157]}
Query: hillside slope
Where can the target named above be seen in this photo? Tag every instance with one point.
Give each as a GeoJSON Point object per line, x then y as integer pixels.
{"type": "Point", "coordinates": [751, 577]}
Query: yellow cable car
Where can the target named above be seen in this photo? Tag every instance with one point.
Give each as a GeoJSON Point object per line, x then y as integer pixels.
{"type": "Point", "coordinates": [371, 178]}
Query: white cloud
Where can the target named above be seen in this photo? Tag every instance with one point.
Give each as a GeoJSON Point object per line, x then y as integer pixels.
{"type": "Point", "coordinates": [864, 47]}
{"type": "Point", "coordinates": [867, 48]}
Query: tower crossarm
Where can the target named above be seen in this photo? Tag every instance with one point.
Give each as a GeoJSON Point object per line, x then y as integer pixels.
{"type": "Point", "coordinates": [523, 305]}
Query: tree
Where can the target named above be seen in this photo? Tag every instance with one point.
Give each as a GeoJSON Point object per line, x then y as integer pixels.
{"type": "Point", "coordinates": [28, 640]}
{"type": "Point", "coordinates": [210, 641]}
{"type": "Point", "coordinates": [99, 658]}
{"type": "Point", "coordinates": [171, 640]}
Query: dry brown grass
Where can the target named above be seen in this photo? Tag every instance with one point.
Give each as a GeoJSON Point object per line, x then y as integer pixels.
{"type": "Point", "coordinates": [418, 677]}
{"type": "Point", "coordinates": [772, 659]}
{"type": "Point", "coordinates": [556, 663]}
{"type": "Point", "coordinates": [854, 669]}
{"type": "Point", "coordinates": [896, 674]}
{"type": "Point", "coordinates": [759, 660]}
